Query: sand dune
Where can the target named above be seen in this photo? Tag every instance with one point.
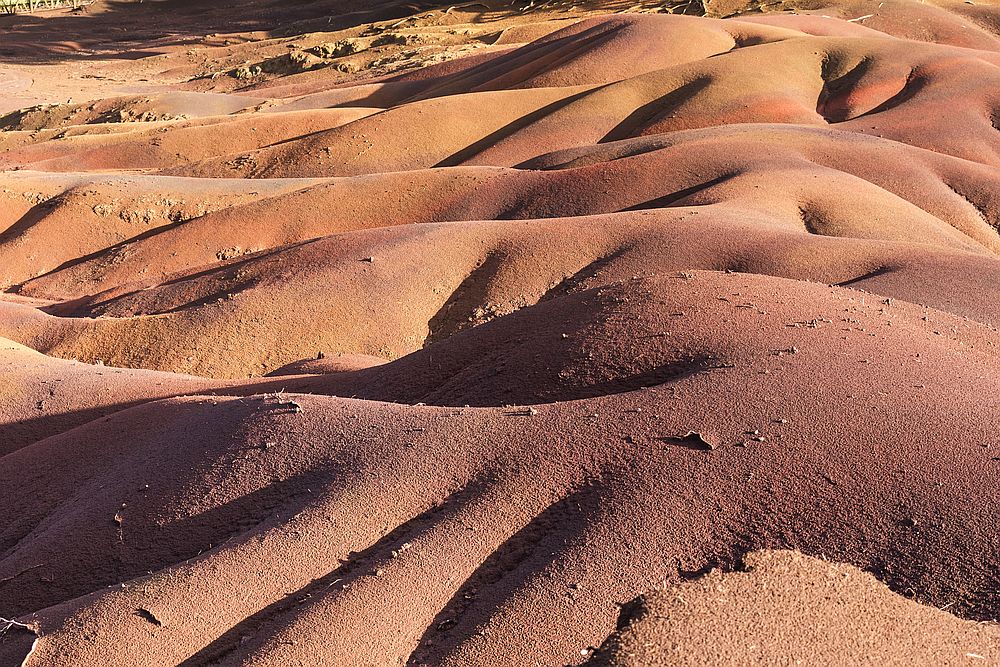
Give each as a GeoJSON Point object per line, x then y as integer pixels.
{"type": "Point", "coordinates": [512, 474]}
{"type": "Point", "coordinates": [830, 614]}
{"type": "Point", "coordinates": [611, 333]}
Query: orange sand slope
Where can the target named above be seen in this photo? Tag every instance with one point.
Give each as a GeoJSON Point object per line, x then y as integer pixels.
{"type": "Point", "coordinates": [500, 333]}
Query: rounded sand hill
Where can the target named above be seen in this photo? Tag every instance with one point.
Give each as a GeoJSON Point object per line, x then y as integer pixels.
{"type": "Point", "coordinates": [606, 333]}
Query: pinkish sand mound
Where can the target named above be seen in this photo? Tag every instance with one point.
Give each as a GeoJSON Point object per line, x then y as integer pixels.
{"type": "Point", "coordinates": [387, 333]}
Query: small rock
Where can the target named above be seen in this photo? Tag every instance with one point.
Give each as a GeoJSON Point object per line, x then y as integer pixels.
{"type": "Point", "coordinates": [696, 440]}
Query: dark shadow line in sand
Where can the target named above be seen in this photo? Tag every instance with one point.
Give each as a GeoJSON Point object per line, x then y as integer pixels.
{"type": "Point", "coordinates": [505, 571]}
{"type": "Point", "coordinates": [470, 151]}
{"type": "Point", "coordinates": [196, 536]}
{"type": "Point", "coordinates": [680, 195]}
{"type": "Point", "coordinates": [647, 114]}
{"type": "Point", "coordinates": [880, 271]}
{"type": "Point", "coordinates": [356, 565]}
{"type": "Point", "coordinates": [532, 57]}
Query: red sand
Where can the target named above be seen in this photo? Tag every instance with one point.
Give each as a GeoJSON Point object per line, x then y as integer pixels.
{"type": "Point", "coordinates": [538, 335]}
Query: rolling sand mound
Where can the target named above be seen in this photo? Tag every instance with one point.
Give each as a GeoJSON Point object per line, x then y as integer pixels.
{"type": "Point", "coordinates": [163, 146]}
{"type": "Point", "coordinates": [529, 520]}
{"type": "Point", "coordinates": [940, 200]}
{"type": "Point", "coordinates": [57, 221]}
{"type": "Point", "coordinates": [383, 333]}
{"type": "Point", "coordinates": [830, 614]}
{"type": "Point", "coordinates": [42, 396]}
{"type": "Point", "coordinates": [898, 89]}
{"type": "Point", "coordinates": [208, 322]}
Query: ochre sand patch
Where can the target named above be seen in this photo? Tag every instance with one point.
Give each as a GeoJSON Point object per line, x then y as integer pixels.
{"type": "Point", "coordinates": [828, 613]}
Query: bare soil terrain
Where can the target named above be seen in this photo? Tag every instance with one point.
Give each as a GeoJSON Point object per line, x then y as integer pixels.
{"type": "Point", "coordinates": [500, 333]}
